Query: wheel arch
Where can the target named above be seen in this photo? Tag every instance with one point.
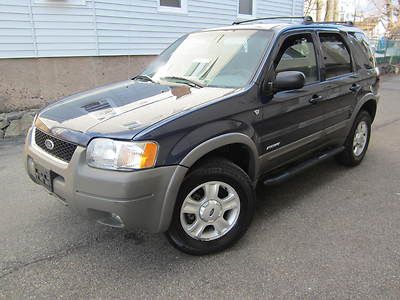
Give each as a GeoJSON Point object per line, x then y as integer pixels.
{"type": "Point", "coordinates": [237, 147]}
{"type": "Point", "coordinates": [369, 103]}
{"type": "Point", "coordinates": [196, 155]}
{"type": "Point", "coordinates": [370, 106]}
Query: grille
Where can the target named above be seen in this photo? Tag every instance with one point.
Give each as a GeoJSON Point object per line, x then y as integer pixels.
{"type": "Point", "coordinates": [62, 149]}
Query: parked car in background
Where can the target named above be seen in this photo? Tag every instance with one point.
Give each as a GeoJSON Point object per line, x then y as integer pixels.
{"type": "Point", "coordinates": [181, 147]}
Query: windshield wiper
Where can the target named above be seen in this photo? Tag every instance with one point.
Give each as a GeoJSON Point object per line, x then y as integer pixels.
{"type": "Point", "coordinates": [144, 77]}
{"type": "Point", "coordinates": [183, 80]}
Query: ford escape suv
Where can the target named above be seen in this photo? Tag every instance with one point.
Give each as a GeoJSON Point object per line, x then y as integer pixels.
{"type": "Point", "coordinates": [180, 148]}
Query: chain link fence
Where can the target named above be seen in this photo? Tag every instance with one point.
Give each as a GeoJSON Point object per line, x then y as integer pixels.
{"type": "Point", "coordinates": [387, 51]}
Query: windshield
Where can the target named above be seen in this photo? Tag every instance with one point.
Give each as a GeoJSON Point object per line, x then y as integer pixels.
{"type": "Point", "coordinates": [224, 58]}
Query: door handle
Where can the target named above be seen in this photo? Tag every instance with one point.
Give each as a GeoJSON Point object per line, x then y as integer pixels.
{"type": "Point", "coordinates": [355, 87]}
{"type": "Point", "coordinates": [316, 99]}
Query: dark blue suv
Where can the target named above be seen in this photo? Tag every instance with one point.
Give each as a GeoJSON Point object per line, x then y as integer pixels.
{"type": "Point", "coordinates": [180, 148]}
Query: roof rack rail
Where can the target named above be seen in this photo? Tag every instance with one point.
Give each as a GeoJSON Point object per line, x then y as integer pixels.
{"type": "Point", "coordinates": [306, 19]}
{"type": "Point", "coordinates": [346, 23]}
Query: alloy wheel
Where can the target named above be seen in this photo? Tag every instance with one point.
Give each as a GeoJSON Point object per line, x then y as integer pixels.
{"type": "Point", "coordinates": [360, 138]}
{"type": "Point", "coordinates": [210, 210]}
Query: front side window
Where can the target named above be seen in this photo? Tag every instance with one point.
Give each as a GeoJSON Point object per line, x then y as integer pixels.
{"type": "Point", "coordinates": [336, 55]}
{"type": "Point", "coordinates": [298, 54]}
{"type": "Point", "coordinates": [220, 58]}
{"type": "Point", "coordinates": [246, 7]}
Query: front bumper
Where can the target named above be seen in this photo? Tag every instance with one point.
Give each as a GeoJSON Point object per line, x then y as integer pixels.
{"type": "Point", "coordinates": [133, 200]}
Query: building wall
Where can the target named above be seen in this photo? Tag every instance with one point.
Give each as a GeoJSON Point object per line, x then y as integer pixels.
{"type": "Point", "coordinates": [51, 48]}
{"type": "Point", "coordinates": [35, 82]}
{"type": "Point", "coordinates": [50, 28]}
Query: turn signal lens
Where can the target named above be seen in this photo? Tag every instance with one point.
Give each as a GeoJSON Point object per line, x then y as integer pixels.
{"type": "Point", "coordinates": [149, 156]}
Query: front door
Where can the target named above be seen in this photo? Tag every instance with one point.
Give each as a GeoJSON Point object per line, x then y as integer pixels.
{"type": "Point", "coordinates": [292, 124]}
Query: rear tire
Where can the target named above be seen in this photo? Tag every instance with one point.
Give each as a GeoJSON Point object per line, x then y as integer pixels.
{"type": "Point", "coordinates": [214, 208]}
{"type": "Point", "coordinates": [357, 142]}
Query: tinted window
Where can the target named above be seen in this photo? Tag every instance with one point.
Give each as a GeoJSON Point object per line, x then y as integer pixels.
{"type": "Point", "coordinates": [336, 55]}
{"type": "Point", "coordinates": [298, 54]}
{"type": "Point", "coordinates": [363, 54]}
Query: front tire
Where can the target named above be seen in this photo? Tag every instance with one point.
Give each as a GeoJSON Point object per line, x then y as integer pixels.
{"type": "Point", "coordinates": [214, 208]}
{"type": "Point", "coordinates": [357, 142]}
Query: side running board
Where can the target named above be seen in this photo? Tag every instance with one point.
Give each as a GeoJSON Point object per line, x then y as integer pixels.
{"type": "Point", "coordinates": [288, 173]}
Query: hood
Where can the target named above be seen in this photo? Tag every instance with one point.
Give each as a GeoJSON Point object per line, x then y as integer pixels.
{"type": "Point", "coordinates": [123, 109]}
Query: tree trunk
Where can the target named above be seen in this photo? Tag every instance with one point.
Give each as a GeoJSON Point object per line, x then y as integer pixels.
{"type": "Point", "coordinates": [336, 10]}
{"type": "Point", "coordinates": [389, 15]}
{"type": "Point", "coordinates": [329, 11]}
{"type": "Point", "coordinates": [319, 5]}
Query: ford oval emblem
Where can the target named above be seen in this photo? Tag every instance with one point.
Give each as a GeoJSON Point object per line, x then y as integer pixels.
{"type": "Point", "coordinates": [49, 144]}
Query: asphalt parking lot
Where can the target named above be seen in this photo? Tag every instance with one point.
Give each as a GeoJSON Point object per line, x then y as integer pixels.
{"type": "Point", "coordinates": [331, 232]}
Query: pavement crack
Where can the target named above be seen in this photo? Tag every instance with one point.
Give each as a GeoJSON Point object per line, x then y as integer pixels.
{"type": "Point", "coordinates": [57, 255]}
{"type": "Point", "coordinates": [26, 264]}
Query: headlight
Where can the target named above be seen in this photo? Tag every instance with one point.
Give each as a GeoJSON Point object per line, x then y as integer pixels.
{"type": "Point", "coordinates": [120, 155]}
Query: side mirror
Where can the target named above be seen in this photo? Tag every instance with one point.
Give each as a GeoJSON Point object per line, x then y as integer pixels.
{"type": "Point", "coordinates": [288, 80]}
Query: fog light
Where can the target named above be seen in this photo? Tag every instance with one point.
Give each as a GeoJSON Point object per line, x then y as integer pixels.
{"type": "Point", "coordinates": [112, 220]}
{"type": "Point", "coordinates": [117, 218]}
{"type": "Point", "coordinates": [30, 166]}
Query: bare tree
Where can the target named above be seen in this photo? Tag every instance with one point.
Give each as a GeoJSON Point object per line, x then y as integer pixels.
{"type": "Point", "coordinates": [309, 7]}
{"type": "Point", "coordinates": [314, 8]}
{"type": "Point", "coordinates": [323, 10]}
{"type": "Point", "coordinates": [388, 11]}
{"type": "Point", "coordinates": [391, 14]}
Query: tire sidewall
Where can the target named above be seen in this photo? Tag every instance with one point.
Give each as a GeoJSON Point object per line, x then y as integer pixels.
{"type": "Point", "coordinates": [363, 116]}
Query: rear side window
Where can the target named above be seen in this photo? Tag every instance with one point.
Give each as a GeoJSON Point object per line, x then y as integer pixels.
{"type": "Point", "coordinates": [336, 55]}
{"type": "Point", "coordinates": [298, 54]}
{"type": "Point", "coordinates": [363, 55]}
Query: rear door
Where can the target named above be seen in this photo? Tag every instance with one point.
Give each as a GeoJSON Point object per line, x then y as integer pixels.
{"type": "Point", "coordinates": [291, 124]}
{"type": "Point", "coordinates": [340, 82]}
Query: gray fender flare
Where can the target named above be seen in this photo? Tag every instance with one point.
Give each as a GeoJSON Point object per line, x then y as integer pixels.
{"type": "Point", "coordinates": [220, 141]}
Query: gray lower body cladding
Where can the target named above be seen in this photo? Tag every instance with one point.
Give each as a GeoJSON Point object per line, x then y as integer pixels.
{"type": "Point", "coordinates": [141, 199]}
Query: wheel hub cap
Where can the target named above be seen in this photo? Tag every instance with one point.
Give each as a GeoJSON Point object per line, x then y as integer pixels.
{"type": "Point", "coordinates": [210, 211]}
